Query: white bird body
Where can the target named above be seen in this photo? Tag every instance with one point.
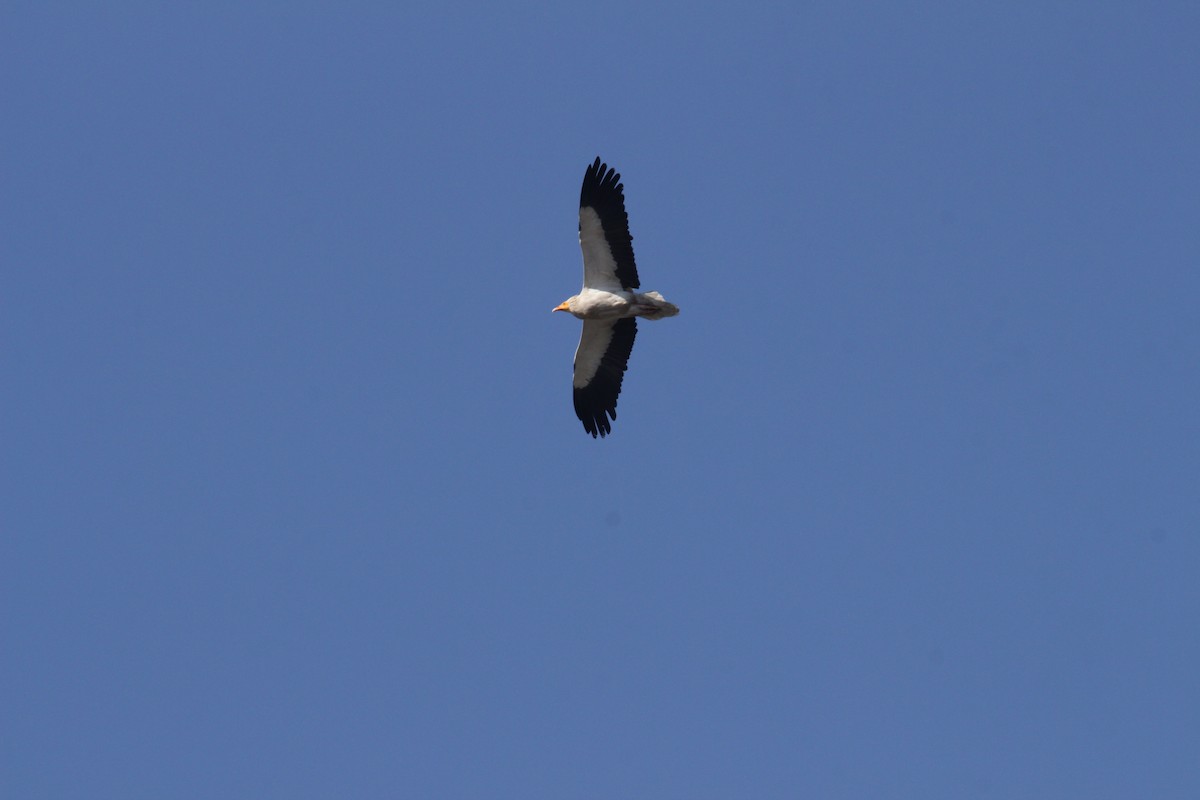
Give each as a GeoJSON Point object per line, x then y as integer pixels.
{"type": "Point", "coordinates": [607, 304]}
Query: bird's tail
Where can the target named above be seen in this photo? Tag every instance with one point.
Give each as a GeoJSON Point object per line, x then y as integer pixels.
{"type": "Point", "coordinates": [665, 309]}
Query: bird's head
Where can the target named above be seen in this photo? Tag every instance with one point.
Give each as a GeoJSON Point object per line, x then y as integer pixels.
{"type": "Point", "coordinates": [565, 305]}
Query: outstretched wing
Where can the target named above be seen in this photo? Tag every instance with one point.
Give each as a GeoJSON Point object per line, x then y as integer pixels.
{"type": "Point", "coordinates": [600, 363]}
{"type": "Point", "coordinates": [604, 231]}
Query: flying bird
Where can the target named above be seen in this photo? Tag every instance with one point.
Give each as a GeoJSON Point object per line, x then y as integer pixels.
{"type": "Point", "coordinates": [607, 304]}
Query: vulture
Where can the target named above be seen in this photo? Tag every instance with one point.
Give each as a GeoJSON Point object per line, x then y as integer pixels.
{"type": "Point", "coordinates": [608, 303]}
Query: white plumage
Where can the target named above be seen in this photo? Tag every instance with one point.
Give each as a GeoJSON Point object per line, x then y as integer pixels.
{"type": "Point", "coordinates": [607, 304]}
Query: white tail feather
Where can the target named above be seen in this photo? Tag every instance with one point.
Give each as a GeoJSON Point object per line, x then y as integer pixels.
{"type": "Point", "coordinates": [655, 299]}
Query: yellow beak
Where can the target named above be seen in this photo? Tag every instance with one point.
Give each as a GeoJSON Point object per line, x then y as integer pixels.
{"type": "Point", "coordinates": [560, 307]}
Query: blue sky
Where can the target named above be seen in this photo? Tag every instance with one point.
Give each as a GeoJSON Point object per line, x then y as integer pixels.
{"type": "Point", "coordinates": [904, 504]}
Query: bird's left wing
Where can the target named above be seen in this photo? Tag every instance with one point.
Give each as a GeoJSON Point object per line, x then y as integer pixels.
{"type": "Point", "coordinates": [600, 362]}
{"type": "Point", "coordinates": [604, 231]}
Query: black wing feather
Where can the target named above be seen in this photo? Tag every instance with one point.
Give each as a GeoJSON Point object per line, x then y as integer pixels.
{"type": "Point", "coordinates": [603, 191]}
{"type": "Point", "coordinates": [597, 401]}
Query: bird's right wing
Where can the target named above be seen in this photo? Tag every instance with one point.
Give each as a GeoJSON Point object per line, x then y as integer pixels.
{"type": "Point", "coordinates": [600, 362]}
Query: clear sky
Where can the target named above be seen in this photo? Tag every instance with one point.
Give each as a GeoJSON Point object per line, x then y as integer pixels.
{"type": "Point", "coordinates": [904, 504]}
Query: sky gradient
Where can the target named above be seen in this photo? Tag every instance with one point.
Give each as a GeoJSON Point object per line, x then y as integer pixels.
{"type": "Point", "coordinates": [904, 504]}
